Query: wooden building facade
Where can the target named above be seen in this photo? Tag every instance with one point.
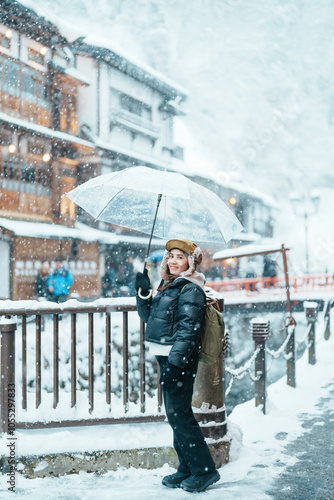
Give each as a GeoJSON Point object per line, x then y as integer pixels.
{"type": "Point", "coordinates": [40, 154]}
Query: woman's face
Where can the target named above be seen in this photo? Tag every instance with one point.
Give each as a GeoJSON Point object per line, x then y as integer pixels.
{"type": "Point", "coordinates": [177, 262]}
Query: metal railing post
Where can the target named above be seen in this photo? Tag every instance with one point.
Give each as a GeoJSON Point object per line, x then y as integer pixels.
{"type": "Point", "coordinates": [7, 371]}
{"type": "Point", "coordinates": [311, 312]}
{"type": "Point", "coordinates": [260, 333]}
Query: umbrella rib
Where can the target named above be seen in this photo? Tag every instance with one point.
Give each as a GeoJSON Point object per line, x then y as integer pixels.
{"type": "Point", "coordinates": [111, 199]}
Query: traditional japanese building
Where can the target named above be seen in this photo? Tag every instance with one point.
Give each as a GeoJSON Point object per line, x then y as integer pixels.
{"type": "Point", "coordinates": [69, 112]}
{"type": "Point", "coordinates": [40, 154]}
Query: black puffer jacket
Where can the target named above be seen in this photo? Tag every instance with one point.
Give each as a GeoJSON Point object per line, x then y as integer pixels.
{"type": "Point", "coordinates": [174, 317]}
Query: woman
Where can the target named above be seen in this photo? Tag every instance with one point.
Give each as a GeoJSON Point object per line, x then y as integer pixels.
{"type": "Point", "coordinates": [174, 317]}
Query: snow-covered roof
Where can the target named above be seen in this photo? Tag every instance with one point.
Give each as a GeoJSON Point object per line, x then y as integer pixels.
{"type": "Point", "coordinates": [127, 61]}
{"type": "Point", "coordinates": [71, 72]}
{"type": "Point", "coordinates": [45, 131]}
{"type": "Point", "coordinates": [248, 250]}
{"type": "Point", "coordinates": [99, 46]}
{"type": "Point", "coordinates": [80, 231]}
{"type": "Point", "coordinates": [48, 230]}
{"type": "Point", "coordinates": [28, 17]}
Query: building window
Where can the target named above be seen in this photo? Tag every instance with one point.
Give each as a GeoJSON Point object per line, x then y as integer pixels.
{"type": "Point", "coordinates": [25, 92]}
{"type": "Point", "coordinates": [67, 207]}
{"type": "Point", "coordinates": [10, 178]}
{"type": "Point", "coordinates": [28, 179]}
{"type": "Point", "coordinates": [11, 78]}
{"type": "Point", "coordinates": [44, 180]}
{"type": "Point", "coordinates": [5, 139]}
{"type": "Point", "coordinates": [5, 41]}
{"type": "Point", "coordinates": [29, 85]}
{"type": "Point", "coordinates": [135, 107]}
{"type": "Point", "coordinates": [167, 131]}
{"type": "Point", "coordinates": [68, 120]}
{"type": "Point", "coordinates": [36, 56]}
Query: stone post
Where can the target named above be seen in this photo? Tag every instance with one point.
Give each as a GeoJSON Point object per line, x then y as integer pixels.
{"type": "Point", "coordinates": [290, 325]}
{"type": "Point", "coordinates": [311, 312]}
{"type": "Point", "coordinates": [327, 316]}
{"type": "Point", "coordinates": [260, 332]}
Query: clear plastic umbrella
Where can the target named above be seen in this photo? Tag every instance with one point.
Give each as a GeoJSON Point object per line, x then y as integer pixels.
{"type": "Point", "coordinates": [159, 203]}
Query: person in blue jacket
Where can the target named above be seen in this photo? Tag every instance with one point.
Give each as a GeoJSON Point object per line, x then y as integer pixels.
{"type": "Point", "coordinates": [60, 282]}
{"type": "Point", "coordinates": [174, 317]}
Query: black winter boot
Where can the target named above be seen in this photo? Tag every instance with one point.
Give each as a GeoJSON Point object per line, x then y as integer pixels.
{"type": "Point", "coordinates": [195, 484]}
{"type": "Point", "coordinates": [174, 480]}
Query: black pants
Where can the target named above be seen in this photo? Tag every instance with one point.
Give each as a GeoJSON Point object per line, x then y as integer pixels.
{"type": "Point", "coordinates": [189, 443]}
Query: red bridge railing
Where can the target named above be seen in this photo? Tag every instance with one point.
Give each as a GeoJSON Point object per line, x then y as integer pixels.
{"type": "Point", "coordinates": [303, 283]}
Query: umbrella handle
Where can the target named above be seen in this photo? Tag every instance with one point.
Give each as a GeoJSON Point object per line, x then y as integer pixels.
{"type": "Point", "coordinates": [145, 297]}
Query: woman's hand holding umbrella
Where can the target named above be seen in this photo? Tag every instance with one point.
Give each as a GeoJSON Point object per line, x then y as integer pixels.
{"type": "Point", "coordinates": [143, 285]}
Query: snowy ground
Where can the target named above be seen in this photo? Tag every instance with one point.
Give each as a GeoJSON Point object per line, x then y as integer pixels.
{"type": "Point", "coordinates": [255, 462]}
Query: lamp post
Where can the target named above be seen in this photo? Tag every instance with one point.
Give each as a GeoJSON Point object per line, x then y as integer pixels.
{"type": "Point", "coordinates": [305, 207]}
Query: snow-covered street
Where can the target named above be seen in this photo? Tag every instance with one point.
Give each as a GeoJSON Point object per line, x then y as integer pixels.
{"type": "Point", "coordinates": [266, 450]}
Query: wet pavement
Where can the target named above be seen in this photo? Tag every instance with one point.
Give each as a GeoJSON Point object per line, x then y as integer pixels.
{"type": "Point", "coordinates": [312, 476]}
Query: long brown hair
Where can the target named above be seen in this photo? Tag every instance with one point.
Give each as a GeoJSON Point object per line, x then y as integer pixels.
{"type": "Point", "coordinates": [165, 284]}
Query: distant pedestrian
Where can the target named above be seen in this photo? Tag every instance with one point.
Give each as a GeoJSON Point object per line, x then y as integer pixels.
{"type": "Point", "coordinates": [269, 271]}
{"type": "Point", "coordinates": [251, 273]}
{"type": "Point", "coordinates": [41, 286]}
{"type": "Point", "coordinates": [60, 282]}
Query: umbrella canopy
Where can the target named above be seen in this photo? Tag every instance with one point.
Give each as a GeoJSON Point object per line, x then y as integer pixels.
{"type": "Point", "coordinates": [128, 198]}
{"type": "Point", "coordinates": [157, 255]}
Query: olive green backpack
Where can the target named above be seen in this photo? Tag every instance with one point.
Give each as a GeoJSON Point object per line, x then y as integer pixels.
{"type": "Point", "coordinates": [213, 337]}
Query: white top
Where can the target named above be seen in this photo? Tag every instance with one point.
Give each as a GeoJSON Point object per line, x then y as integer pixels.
{"type": "Point", "coordinates": [158, 349]}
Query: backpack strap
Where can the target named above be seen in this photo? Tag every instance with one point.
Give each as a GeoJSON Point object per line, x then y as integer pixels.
{"type": "Point", "coordinates": [214, 303]}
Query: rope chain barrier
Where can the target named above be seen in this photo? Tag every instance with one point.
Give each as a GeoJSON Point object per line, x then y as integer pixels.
{"type": "Point", "coordinates": [239, 373]}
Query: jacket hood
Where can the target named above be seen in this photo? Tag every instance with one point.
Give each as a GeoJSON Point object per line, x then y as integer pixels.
{"type": "Point", "coordinates": [196, 277]}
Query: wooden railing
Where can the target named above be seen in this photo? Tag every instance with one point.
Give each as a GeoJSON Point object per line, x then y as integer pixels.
{"type": "Point", "coordinates": [46, 323]}
{"type": "Point", "coordinates": [45, 320]}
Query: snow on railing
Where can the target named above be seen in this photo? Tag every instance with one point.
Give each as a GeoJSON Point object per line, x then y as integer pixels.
{"type": "Point", "coordinates": [68, 355]}
{"type": "Point", "coordinates": [85, 363]}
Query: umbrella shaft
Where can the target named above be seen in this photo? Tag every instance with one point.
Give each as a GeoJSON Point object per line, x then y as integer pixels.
{"type": "Point", "coordinates": [151, 235]}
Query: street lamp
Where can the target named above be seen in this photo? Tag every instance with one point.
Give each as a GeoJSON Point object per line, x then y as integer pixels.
{"type": "Point", "coordinates": [305, 207]}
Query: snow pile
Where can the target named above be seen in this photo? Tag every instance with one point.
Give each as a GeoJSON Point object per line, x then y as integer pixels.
{"type": "Point", "coordinates": [81, 411]}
